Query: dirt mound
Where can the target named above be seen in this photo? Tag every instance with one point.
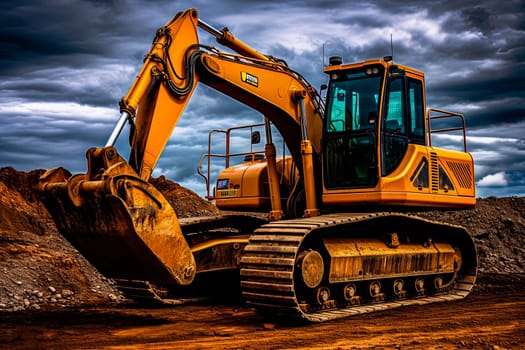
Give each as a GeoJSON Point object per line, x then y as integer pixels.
{"type": "Point", "coordinates": [40, 269]}
{"type": "Point", "coordinates": [497, 226]}
{"type": "Point", "coordinates": [186, 203]}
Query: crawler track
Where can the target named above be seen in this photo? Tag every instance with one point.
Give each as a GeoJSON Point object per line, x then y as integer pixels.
{"type": "Point", "coordinates": [269, 279]}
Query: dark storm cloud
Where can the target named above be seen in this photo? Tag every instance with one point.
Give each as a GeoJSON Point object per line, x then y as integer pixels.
{"type": "Point", "coordinates": [497, 91]}
{"type": "Point", "coordinates": [46, 34]}
{"type": "Point", "coordinates": [65, 65]}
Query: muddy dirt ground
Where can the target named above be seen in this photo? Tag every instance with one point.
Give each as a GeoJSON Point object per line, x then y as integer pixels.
{"type": "Point", "coordinates": [52, 298]}
{"type": "Point", "coordinates": [493, 317]}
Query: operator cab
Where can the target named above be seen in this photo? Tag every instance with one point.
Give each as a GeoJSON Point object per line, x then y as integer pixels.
{"type": "Point", "coordinates": [352, 126]}
{"type": "Point", "coordinates": [375, 140]}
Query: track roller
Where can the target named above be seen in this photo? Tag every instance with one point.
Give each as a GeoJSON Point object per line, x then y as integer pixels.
{"type": "Point", "coordinates": [350, 294]}
{"type": "Point", "coordinates": [419, 285]}
{"type": "Point", "coordinates": [398, 287]}
{"type": "Point", "coordinates": [322, 295]}
{"type": "Point", "coordinates": [375, 291]}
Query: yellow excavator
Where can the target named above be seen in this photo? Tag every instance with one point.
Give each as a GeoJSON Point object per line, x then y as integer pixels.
{"type": "Point", "coordinates": [330, 236]}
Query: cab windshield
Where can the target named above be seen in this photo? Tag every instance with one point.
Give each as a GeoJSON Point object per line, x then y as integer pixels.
{"type": "Point", "coordinates": [354, 102]}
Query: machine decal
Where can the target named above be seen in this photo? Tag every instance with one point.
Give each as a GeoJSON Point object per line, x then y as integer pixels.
{"type": "Point", "coordinates": [250, 79]}
{"type": "Point", "coordinates": [227, 193]}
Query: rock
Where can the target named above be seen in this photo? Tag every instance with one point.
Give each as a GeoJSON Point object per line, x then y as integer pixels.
{"type": "Point", "coordinates": [52, 289]}
{"type": "Point", "coordinates": [67, 293]}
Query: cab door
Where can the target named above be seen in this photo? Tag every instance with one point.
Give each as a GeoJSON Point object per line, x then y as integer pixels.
{"type": "Point", "coordinates": [402, 122]}
{"type": "Point", "coordinates": [350, 133]}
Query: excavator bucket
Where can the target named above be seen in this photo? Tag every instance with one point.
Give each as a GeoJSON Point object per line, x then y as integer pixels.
{"type": "Point", "coordinates": [120, 223]}
{"type": "Point", "coordinates": [111, 214]}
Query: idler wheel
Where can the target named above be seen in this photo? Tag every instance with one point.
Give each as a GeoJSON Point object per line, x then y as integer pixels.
{"type": "Point", "coordinates": [311, 267]}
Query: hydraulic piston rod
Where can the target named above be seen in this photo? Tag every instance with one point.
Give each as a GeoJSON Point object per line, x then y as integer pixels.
{"type": "Point", "coordinates": [124, 116]}
{"type": "Point", "coordinates": [224, 37]}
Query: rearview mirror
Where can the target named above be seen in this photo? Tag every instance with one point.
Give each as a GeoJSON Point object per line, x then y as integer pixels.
{"type": "Point", "coordinates": [256, 137]}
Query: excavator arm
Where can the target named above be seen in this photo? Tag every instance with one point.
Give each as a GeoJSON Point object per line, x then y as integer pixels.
{"type": "Point", "coordinates": [160, 91]}
{"type": "Point", "coordinates": [119, 221]}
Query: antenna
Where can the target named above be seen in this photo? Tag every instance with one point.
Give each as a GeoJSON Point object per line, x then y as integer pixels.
{"type": "Point", "coordinates": [391, 47]}
{"type": "Point", "coordinates": [323, 56]}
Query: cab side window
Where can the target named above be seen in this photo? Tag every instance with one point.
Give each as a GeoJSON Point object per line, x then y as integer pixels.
{"type": "Point", "coordinates": [395, 121]}
{"type": "Point", "coordinates": [394, 139]}
{"type": "Point", "coordinates": [416, 111]}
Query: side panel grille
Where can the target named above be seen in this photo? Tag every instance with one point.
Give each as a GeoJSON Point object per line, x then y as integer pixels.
{"type": "Point", "coordinates": [463, 173]}
{"type": "Point", "coordinates": [434, 171]}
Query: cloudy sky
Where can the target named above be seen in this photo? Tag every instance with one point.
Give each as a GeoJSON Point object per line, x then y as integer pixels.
{"type": "Point", "coordinates": [64, 65]}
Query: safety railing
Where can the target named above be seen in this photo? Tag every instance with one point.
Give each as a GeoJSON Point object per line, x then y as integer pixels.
{"type": "Point", "coordinates": [440, 114]}
{"type": "Point", "coordinates": [227, 155]}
